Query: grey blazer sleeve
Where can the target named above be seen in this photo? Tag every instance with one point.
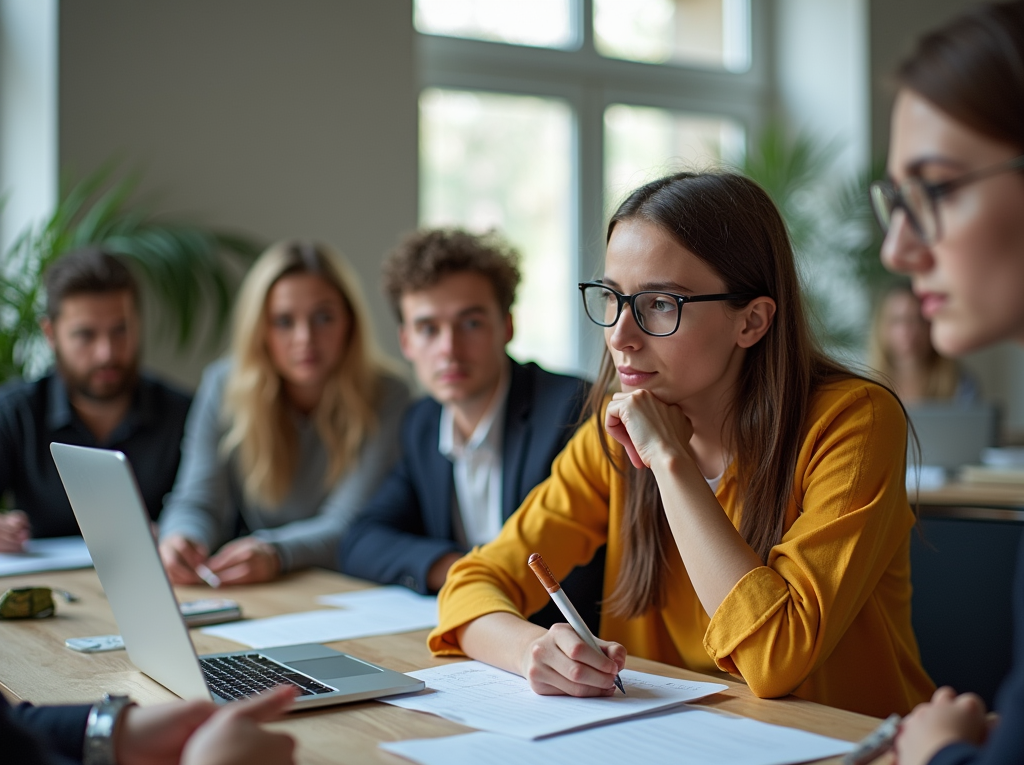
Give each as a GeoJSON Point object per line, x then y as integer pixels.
{"type": "Point", "coordinates": [199, 506]}
{"type": "Point", "coordinates": [314, 541]}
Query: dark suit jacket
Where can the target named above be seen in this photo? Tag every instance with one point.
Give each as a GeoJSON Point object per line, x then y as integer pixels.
{"type": "Point", "coordinates": [408, 523]}
{"type": "Point", "coordinates": [1006, 744]}
{"type": "Point", "coordinates": [41, 735]}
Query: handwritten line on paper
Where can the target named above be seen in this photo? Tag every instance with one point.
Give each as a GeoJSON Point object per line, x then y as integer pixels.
{"type": "Point", "coordinates": [481, 696]}
{"type": "Point", "coordinates": [54, 554]}
{"type": "Point", "coordinates": [680, 735]}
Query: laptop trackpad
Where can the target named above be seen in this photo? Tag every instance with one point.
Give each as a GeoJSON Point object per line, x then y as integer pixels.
{"type": "Point", "coordinates": [332, 667]}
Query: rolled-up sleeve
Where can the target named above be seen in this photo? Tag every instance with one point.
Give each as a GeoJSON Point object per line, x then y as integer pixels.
{"type": "Point", "coordinates": [782, 620]}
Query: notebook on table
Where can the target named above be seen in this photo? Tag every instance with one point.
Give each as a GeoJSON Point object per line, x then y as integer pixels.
{"type": "Point", "coordinates": [109, 508]}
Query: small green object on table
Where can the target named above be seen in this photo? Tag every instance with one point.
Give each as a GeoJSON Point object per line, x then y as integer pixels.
{"type": "Point", "coordinates": [27, 603]}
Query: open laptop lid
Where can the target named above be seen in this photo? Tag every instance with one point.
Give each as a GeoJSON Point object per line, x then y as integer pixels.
{"type": "Point", "coordinates": [108, 505]}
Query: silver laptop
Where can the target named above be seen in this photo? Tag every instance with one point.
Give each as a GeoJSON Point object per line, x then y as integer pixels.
{"type": "Point", "coordinates": [952, 435]}
{"type": "Point", "coordinates": [106, 500]}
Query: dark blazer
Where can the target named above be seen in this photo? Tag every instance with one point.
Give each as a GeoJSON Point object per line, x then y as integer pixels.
{"type": "Point", "coordinates": [42, 735]}
{"type": "Point", "coordinates": [1006, 744]}
{"type": "Point", "coordinates": [408, 523]}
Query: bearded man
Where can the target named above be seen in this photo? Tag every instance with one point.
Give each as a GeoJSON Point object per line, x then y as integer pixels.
{"type": "Point", "coordinates": [95, 396]}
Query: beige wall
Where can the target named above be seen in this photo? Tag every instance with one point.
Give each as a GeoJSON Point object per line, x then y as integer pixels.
{"type": "Point", "coordinates": [276, 118]}
{"type": "Point", "coordinates": [893, 28]}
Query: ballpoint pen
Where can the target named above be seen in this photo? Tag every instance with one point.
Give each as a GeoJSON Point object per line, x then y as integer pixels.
{"type": "Point", "coordinates": [540, 568]}
{"type": "Point", "coordinates": [204, 573]}
{"type": "Point", "coordinates": [876, 743]}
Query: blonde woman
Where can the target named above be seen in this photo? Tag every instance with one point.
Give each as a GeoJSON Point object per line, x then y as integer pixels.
{"type": "Point", "coordinates": [288, 436]}
{"type": "Point", "coordinates": [901, 350]}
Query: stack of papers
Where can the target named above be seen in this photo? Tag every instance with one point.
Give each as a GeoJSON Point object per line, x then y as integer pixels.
{"type": "Point", "coordinates": [481, 696]}
{"type": "Point", "coordinates": [688, 735]}
{"type": "Point", "coordinates": [522, 726]}
{"type": "Point", "coordinates": [377, 611]}
{"type": "Point", "coordinates": [55, 554]}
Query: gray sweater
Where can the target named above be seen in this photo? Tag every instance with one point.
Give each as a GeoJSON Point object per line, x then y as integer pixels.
{"type": "Point", "coordinates": [306, 528]}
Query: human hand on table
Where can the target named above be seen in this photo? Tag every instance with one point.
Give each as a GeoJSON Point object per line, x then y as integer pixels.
{"type": "Point", "coordinates": [235, 736]}
{"type": "Point", "coordinates": [559, 663]}
{"type": "Point", "coordinates": [944, 720]}
{"type": "Point", "coordinates": [201, 733]}
{"type": "Point", "coordinates": [246, 560]}
{"type": "Point", "coordinates": [647, 427]}
{"type": "Point", "coordinates": [14, 531]}
{"type": "Point", "coordinates": [180, 557]}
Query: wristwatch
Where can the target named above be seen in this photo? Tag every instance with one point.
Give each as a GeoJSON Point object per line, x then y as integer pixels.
{"type": "Point", "coordinates": [98, 748]}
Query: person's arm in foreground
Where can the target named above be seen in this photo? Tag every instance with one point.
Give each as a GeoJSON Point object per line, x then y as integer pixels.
{"type": "Point", "coordinates": [953, 730]}
{"type": "Point", "coordinates": [186, 732]}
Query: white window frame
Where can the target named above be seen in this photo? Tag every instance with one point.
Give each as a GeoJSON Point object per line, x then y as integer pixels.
{"type": "Point", "coordinates": [590, 82]}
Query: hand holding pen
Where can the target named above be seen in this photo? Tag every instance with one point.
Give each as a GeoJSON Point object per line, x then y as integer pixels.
{"type": "Point", "coordinates": [569, 659]}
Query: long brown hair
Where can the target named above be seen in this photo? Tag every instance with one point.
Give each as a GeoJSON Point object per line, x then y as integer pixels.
{"type": "Point", "coordinates": [256, 412]}
{"type": "Point", "coordinates": [731, 224]}
{"type": "Point", "coordinates": [973, 69]}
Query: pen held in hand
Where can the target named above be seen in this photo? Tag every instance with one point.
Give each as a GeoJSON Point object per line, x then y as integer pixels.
{"type": "Point", "coordinates": [540, 568]}
{"type": "Point", "coordinates": [877, 743]}
{"type": "Point", "coordinates": [204, 573]}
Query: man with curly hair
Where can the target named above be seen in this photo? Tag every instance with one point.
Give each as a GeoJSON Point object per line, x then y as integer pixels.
{"type": "Point", "coordinates": [483, 437]}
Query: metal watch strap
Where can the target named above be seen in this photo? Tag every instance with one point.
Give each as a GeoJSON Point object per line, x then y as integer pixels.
{"type": "Point", "coordinates": [98, 748]}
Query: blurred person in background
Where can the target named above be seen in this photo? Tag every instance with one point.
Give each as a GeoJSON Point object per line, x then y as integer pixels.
{"type": "Point", "coordinates": [900, 348]}
{"type": "Point", "coordinates": [290, 434]}
{"type": "Point", "coordinates": [95, 396]}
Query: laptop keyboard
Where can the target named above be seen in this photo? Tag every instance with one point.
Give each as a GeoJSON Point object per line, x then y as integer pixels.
{"type": "Point", "coordinates": [244, 675]}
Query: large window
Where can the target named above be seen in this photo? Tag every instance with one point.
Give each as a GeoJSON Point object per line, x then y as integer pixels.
{"type": "Point", "coordinates": [538, 116]}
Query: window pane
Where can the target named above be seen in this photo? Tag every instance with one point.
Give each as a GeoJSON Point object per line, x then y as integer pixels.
{"type": "Point", "coordinates": [504, 162]}
{"type": "Point", "coordinates": [711, 33]}
{"type": "Point", "coordinates": [643, 143]}
{"type": "Point", "coordinates": [541, 23]}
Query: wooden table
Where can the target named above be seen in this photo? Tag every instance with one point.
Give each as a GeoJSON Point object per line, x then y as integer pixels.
{"type": "Point", "coordinates": [35, 666]}
{"type": "Point", "coordinates": [974, 501]}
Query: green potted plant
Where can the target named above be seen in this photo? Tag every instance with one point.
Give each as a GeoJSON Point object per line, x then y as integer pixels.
{"type": "Point", "coordinates": [184, 265]}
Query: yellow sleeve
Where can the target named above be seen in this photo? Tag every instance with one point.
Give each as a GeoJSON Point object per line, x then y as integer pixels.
{"type": "Point", "coordinates": [565, 519]}
{"type": "Point", "coordinates": [782, 620]}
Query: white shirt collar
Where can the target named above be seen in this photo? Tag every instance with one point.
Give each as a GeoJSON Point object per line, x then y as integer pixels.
{"type": "Point", "coordinates": [451, 443]}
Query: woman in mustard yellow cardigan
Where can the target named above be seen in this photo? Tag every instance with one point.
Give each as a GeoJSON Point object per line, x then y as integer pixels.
{"type": "Point", "coordinates": [750, 491]}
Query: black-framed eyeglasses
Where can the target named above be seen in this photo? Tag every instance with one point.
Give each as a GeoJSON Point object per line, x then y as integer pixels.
{"type": "Point", "coordinates": [919, 199]}
{"type": "Point", "coordinates": [656, 313]}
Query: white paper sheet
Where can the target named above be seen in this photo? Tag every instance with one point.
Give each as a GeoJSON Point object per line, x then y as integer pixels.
{"type": "Point", "coordinates": [480, 696]}
{"type": "Point", "coordinates": [372, 614]}
{"type": "Point", "coordinates": [681, 736]}
{"type": "Point", "coordinates": [54, 554]}
{"type": "Point", "coordinates": [389, 601]}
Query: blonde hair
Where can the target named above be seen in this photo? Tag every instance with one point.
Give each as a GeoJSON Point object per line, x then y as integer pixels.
{"type": "Point", "coordinates": [261, 431]}
{"type": "Point", "coordinates": [943, 374]}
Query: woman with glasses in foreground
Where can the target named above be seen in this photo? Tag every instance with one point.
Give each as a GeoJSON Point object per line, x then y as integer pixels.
{"type": "Point", "coordinates": [750, 491]}
{"type": "Point", "coordinates": [953, 208]}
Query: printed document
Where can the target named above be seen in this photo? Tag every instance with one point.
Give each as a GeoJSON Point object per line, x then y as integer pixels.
{"type": "Point", "coordinates": [481, 696]}
{"type": "Point", "coordinates": [688, 735]}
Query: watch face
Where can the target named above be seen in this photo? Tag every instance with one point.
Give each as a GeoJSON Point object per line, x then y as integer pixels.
{"type": "Point", "coordinates": [27, 603]}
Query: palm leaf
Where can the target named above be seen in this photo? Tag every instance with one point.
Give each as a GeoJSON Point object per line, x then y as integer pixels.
{"type": "Point", "coordinates": [184, 265]}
